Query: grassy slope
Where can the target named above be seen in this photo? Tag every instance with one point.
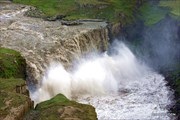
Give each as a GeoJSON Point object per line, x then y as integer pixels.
{"type": "Point", "coordinates": [11, 64]}
{"type": "Point", "coordinates": [152, 13]}
{"type": "Point", "coordinates": [86, 9]}
{"type": "Point", "coordinates": [60, 107]}
{"type": "Point", "coordinates": [12, 73]}
{"type": "Point", "coordinates": [174, 5]}
{"type": "Point", "coordinates": [9, 99]}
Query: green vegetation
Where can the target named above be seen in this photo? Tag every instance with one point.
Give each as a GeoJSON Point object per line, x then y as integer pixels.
{"type": "Point", "coordinates": [12, 65]}
{"type": "Point", "coordinates": [10, 84]}
{"type": "Point", "coordinates": [12, 74]}
{"type": "Point", "coordinates": [152, 14]}
{"type": "Point", "coordinates": [9, 99]}
{"type": "Point", "coordinates": [111, 10]}
{"type": "Point", "coordinates": [56, 100]}
{"type": "Point", "coordinates": [174, 5]}
{"type": "Point", "coordinates": [60, 107]}
{"type": "Point", "coordinates": [114, 11]}
{"type": "Point", "coordinates": [15, 99]}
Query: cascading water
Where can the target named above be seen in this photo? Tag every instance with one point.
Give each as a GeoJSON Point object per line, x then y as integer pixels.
{"type": "Point", "coordinates": [118, 86]}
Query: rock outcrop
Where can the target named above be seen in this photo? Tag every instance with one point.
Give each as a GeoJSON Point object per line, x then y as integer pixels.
{"type": "Point", "coordinates": [41, 42]}
{"type": "Point", "coordinates": [60, 108]}
{"type": "Point", "coordinates": [13, 105]}
{"type": "Point", "coordinates": [14, 96]}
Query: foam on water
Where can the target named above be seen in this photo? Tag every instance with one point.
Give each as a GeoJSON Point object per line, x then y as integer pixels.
{"type": "Point", "coordinates": [10, 15]}
{"type": "Point", "coordinates": [118, 86]}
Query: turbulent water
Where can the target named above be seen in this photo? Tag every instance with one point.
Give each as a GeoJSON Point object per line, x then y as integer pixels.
{"type": "Point", "coordinates": [118, 86]}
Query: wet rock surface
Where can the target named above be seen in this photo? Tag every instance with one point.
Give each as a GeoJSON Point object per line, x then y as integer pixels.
{"type": "Point", "coordinates": [173, 78]}
{"type": "Point", "coordinates": [41, 42]}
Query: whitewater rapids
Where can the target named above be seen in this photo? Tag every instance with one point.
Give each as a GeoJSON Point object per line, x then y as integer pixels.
{"type": "Point", "coordinates": [119, 86]}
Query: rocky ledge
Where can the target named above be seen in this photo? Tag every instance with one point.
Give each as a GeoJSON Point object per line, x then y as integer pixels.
{"type": "Point", "coordinates": [15, 103]}
{"type": "Point", "coordinates": [41, 42]}
{"type": "Point", "coordinates": [14, 96]}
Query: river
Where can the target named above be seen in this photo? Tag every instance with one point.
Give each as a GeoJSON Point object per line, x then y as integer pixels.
{"type": "Point", "coordinates": [119, 85]}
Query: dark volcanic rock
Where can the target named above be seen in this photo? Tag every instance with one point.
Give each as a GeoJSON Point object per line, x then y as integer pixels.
{"type": "Point", "coordinates": [173, 78]}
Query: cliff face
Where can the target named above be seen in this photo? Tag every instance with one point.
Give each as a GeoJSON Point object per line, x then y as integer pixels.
{"type": "Point", "coordinates": [14, 96]}
{"type": "Point", "coordinates": [41, 42]}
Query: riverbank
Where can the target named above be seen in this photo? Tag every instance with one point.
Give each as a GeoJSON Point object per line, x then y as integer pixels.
{"type": "Point", "coordinates": [41, 41]}
{"type": "Point", "coordinates": [14, 95]}
{"type": "Point", "coordinates": [173, 77]}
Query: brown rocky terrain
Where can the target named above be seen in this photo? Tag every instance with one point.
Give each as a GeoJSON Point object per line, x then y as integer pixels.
{"type": "Point", "coordinates": [41, 42]}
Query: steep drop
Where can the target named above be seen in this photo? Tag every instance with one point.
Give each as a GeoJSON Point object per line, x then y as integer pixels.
{"type": "Point", "coordinates": [119, 86]}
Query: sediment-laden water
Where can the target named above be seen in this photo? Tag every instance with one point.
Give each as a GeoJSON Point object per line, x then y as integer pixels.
{"type": "Point", "coordinates": [119, 86]}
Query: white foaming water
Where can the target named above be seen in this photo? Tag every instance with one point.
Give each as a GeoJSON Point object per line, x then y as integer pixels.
{"type": "Point", "coordinates": [118, 86]}
{"type": "Point", "coordinates": [11, 15]}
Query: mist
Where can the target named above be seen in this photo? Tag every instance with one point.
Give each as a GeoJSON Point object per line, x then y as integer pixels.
{"type": "Point", "coordinates": [161, 44]}
{"type": "Point", "coordinates": [94, 74]}
{"type": "Point", "coordinates": [118, 85]}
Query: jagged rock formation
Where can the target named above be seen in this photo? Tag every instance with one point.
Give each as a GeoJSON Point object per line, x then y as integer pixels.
{"type": "Point", "coordinates": [41, 42]}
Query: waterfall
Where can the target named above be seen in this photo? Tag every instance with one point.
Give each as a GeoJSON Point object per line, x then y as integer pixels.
{"type": "Point", "coordinates": [119, 85]}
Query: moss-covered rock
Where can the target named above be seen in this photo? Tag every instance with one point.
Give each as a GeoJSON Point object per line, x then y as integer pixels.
{"type": "Point", "coordinates": [13, 105]}
{"type": "Point", "coordinates": [14, 97]}
{"type": "Point", "coordinates": [12, 64]}
{"type": "Point", "coordinates": [153, 12]}
{"type": "Point", "coordinates": [111, 10]}
{"type": "Point", "coordinates": [173, 5]}
{"type": "Point", "coordinates": [60, 108]}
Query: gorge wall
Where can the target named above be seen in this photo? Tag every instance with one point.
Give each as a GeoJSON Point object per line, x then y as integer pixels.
{"type": "Point", "coordinates": [41, 42]}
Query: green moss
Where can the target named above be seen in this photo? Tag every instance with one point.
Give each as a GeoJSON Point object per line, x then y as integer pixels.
{"type": "Point", "coordinates": [111, 10]}
{"type": "Point", "coordinates": [12, 65]}
{"type": "Point", "coordinates": [8, 97]}
{"type": "Point", "coordinates": [10, 84]}
{"type": "Point", "coordinates": [12, 73]}
{"type": "Point", "coordinates": [152, 14]}
{"type": "Point", "coordinates": [10, 100]}
{"type": "Point", "coordinates": [59, 99]}
{"type": "Point", "coordinates": [174, 5]}
{"type": "Point", "coordinates": [60, 107]}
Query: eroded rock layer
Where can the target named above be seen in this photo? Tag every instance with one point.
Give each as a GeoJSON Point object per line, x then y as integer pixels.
{"type": "Point", "coordinates": [41, 42]}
